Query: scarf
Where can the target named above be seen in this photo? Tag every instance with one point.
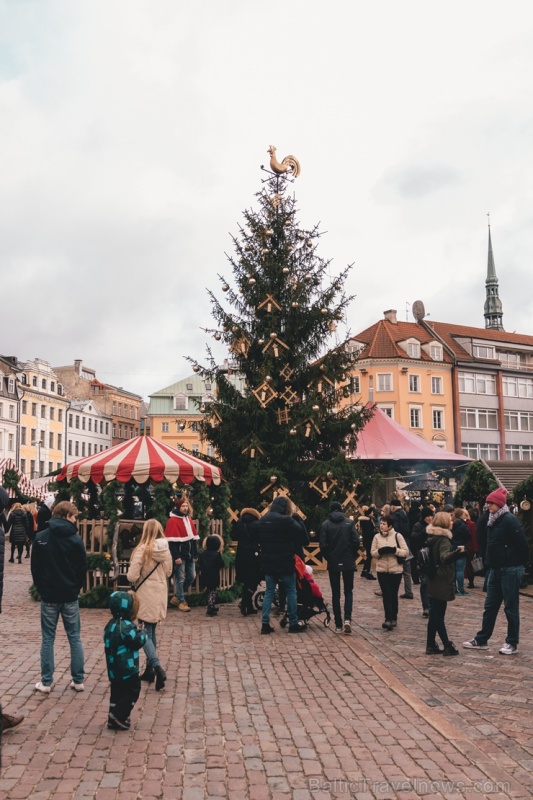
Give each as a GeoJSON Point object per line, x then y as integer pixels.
{"type": "Point", "coordinates": [497, 514]}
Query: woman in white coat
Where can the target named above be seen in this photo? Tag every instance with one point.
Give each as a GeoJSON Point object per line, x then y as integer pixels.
{"type": "Point", "coordinates": [387, 547]}
{"type": "Point", "coordinates": [150, 569]}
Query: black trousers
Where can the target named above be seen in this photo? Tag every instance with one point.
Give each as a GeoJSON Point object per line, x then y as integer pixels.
{"type": "Point", "coordinates": [437, 612]}
{"type": "Point", "coordinates": [124, 695]}
{"type": "Point", "coordinates": [335, 583]}
{"type": "Point", "coordinates": [389, 583]}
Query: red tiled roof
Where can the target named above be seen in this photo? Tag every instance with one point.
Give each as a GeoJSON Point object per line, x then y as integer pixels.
{"type": "Point", "coordinates": [382, 338]}
{"type": "Point", "coordinates": [448, 333]}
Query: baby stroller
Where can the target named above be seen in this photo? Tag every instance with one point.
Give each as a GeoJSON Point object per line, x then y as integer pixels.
{"type": "Point", "coordinates": [309, 597]}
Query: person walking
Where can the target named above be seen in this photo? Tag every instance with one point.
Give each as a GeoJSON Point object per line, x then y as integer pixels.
{"type": "Point", "coordinates": [367, 527]}
{"type": "Point", "coordinates": [401, 525]}
{"type": "Point", "coordinates": [389, 546]}
{"type": "Point", "coordinates": [441, 585]}
{"type": "Point", "coordinates": [472, 549]}
{"type": "Point", "coordinates": [339, 544]}
{"type": "Point", "coordinates": [59, 567]}
{"type": "Point", "coordinates": [460, 537]}
{"type": "Point", "coordinates": [182, 537]}
{"type": "Point", "coordinates": [418, 541]}
{"type": "Point", "coordinates": [247, 559]}
{"type": "Point", "coordinates": [17, 527]}
{"type": "Point", "coordinates": [506, 555]}
{"type": "Point", "coordinates": [149, 571]}
{"type": "Point", "coordinates": [211, 562]}
{"type": "Point", "coordinates": [280, 536]}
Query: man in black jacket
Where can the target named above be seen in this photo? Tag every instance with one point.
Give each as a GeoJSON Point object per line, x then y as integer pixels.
{"type": "Point", "coordinates": [280, 536]}
{"type": "Point", "coordinates": [506, 556]}
{"type": "Point", "coordinates": [339, 543]}
{"type": "Point", "coordinates": [401, 525]}
{"type": "Point", "coordinates": [419, 539]}
{"type": "Point", "coordinates": [58, 568]}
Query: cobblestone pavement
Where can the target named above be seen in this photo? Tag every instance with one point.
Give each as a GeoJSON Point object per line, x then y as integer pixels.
{"type": "Point", "coordinates": [318, 715]}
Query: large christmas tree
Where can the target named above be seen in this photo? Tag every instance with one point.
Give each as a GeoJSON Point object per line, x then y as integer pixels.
{"type": "Point", "coordinates": [282, 429]}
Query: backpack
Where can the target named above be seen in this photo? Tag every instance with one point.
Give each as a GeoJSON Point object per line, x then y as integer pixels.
{"type": "Point", "coordinates": [426, 562]}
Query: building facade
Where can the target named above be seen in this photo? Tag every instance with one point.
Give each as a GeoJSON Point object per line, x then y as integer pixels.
{"type": "Point", "coordinates": [9, 408]}
{"type": "Point", "coordinates": [43, 408]}
{"type": "Point", "coordinates": [88, 431]}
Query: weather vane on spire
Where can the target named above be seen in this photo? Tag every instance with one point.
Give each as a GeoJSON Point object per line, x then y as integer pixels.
{"type": "Point", "coordinates": [289, 164]}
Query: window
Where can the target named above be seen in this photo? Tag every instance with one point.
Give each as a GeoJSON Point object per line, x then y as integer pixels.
{"type": "Point", "coordinates": [120, 409]}
{"type": "Point", "coordinates": [23, 378]}
{"type": "Point", "coordinates": [384, 382]}
{"type": "Point", "coordinates": [436, 385]}
{"type": "Point", "coordinates": [195, 448]}
{"type": "Point", "coordinates": [50, 466]}
{"type": "Point", "coordinates": [52, 412]}
{"type": "Point", "coordinates": [11, 412]}
{"type": "Point", "coordinates": [518, 421]}
{"type": "Point", "coordinates": [413, 349]}
{"type": "Point", "coordinates": [70, 447]}
{"type": "Point", "coordinates": [70, 420]}
{"type": "Point", "coordinates": [388, 410]}
{"type": "Point", "coordinates": [23, 434]}
{"type": "Point", "coordinates": [52, 386]}
{"type": "Point", "coordinates": [114, 431]}
{"type": "Point", "coordinates": [11, 385]}
{"type": "Point", "coordinates": [76, 448]}
{"type": "Point", "coordinates": [43, 412]}
{"type": "Point", "coordinates": [477, 383]}
{"type": "Point", "coordinates": [24, 406]}
{"type": "Point", "coordinates": [438, 419]}
{"type": "Point", "coordinates": [180, 402]}
{"type": "Point", "coordinates": [415, 417]}
{"type": "Point", "coordinates": [519, 452]}
{"type": "Point", "coordinates": [114, 408]}
{"type": "Point", "coordinates": [489, 452]}
{"type": "Point", "coordinates": [10, 441]}
{"type": "Point", "coordinates": [517, 386]}
{"type": "Point", "coordinates": [102, 427]}
{"type": "Point", "coordinates": [33, 438]}
{"type": "Point", "coordinates": [354, 384]}
{"type": "Point", "coordinates": [89, 449]}
{"type": "Point", "coordinates": [1, 409]}
{"type": "Point", "coordinates": [106, 429]}
{"type": "Point", "coordinates": [90, 424]}
{"type": "Point", "coordinates": [210, 450]}
{"type": "Point", "coordinates": [83, 449]}
{"type": "Point", "coordinates": [135, 413]}
{"type": "Point", "coordinates": [414, 383]}
{"type": "Point", "coordinates": [513, 361]}
{"type": "Point", "coordinates": [189, 387]}
{"type": "Point", "coordinates": [59, 389]}
{"type": "Point", "coordinates": [23, 465]}
{"type": "Point", "coordinates": [32, 469]}
{"type": "Point", "coordinates": [194, 427]}
{"type": "Point", "coordinates": [51, 440]}
{"type": "Point", "coordinates": [60, 415]}
{"type": "Point", "coordinates": [41, 437]}
{"type": "Point", "coordinates": [486, 419]}
{"type": "Point", "coordinates": [482, 351]}
{"type": "Point", "coordinates": [120, 431]}
{"type": "Point", "coordinates": [77, 421]}
{"type": "Point", "coordinates": [59, 441]}
{"type": "Point", "coordinates": [34, 383]}
{"type": "Point", "coordinates": [208, 387]}
{"type": "Point", "coordinates": [34, 409]}
{"type": "Point", "coordinates": [83, 423]}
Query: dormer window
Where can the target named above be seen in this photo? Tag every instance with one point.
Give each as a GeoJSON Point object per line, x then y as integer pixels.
{"type": "Point", "coordinates": [180, 402]}
{"type": "Point", "coordinates": [435, 351]}
{"type": "Point", "coordinates": [413, 349]}
{"type": "Point", "coordinates": [189, 387]}
{"type": "Point", "coordinates": [482, 351]}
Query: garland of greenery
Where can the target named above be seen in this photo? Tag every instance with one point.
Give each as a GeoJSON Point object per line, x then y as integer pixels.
{"type": "Point", "coordinates": [477, 484]}
{"type": "Point", "coordinates": [162, 503]}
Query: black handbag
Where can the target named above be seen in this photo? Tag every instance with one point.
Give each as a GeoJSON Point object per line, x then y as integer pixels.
{"type": "Point", "coordinates": [400, 559]}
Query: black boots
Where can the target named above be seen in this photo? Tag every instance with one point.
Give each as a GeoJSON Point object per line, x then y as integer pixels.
{"type": "Point", "coordinates": [265, 628]}
{"type": "Point", "coordinates": [160, 678]}
{"type": "Point", "coordinates": [148, 675]}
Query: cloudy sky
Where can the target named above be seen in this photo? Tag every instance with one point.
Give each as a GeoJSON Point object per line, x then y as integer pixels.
{"type": "Point", "coordinates": [132, 132]}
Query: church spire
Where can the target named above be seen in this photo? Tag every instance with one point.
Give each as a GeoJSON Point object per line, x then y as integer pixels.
{"type": "Point", "coordinates": [493, 305]}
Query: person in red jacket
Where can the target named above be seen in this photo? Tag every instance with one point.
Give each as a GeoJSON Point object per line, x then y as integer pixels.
{"type": "Point", "coordinates": [182, 538]}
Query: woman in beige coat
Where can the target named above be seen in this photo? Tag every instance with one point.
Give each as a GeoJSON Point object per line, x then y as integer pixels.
{"type": "Point", "coordinates": [387, 547]}
{"type": "Point", "coordinates": [150, 569]}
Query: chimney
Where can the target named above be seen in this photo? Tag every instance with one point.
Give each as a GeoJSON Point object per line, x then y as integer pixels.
{"type": "Point", "coordinates": [77, 366]}
{"type": "Point", "coordinates": [390, 315]}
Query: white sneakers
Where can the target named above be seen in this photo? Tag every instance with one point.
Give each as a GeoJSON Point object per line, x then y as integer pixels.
{"type": "Point", "coordinates": [508, 649]}
{"type": "Point", "coordinates": [347, 626]}
{"type": "Point", "coordinates": [78, 687]}
{"type": "Point", "coordinates": [40, 687]}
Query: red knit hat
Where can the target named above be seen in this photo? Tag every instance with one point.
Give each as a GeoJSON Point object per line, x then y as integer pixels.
{"type": "Point", "coordinates": [498, 496]}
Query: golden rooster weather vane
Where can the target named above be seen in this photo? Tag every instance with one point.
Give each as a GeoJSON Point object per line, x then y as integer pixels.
{"type": "Point", "coordinates": [289, 163]}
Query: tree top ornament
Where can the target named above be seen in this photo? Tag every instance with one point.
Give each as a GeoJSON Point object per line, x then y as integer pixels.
{"type": "Point", "coordinates": [289, 164]}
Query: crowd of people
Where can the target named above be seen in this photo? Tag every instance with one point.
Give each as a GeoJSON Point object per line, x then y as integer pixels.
{"type": "Point", "coordinates": [269, 548]}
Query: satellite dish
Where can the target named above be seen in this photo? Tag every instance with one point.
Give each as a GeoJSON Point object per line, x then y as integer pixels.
{"type": "Point", "coordinates": [419, 312]}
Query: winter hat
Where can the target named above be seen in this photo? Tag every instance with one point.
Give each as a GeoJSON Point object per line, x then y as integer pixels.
{"type": "Point", "coordinates": [426, 512]}
{"type": "Point", "coordinates": [499, 496]}
{"type": "Point", "coordinates": [395, 502]}
{"type": "Point", "coordinates": [335, 506]}
{"type": "Point", "coordinates": [180, 501]}
{"type": "Point", "coordinates": [280, 505]}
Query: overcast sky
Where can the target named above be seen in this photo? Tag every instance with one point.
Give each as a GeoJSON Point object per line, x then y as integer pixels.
{"type": "Point", "coordinates": [132, 132]}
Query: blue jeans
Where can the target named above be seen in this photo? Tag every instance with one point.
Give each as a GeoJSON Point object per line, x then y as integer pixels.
{"type": "Point", "coordinates": [150, 646]}
{"type": "Point", "coordinates": [184, 575]}
{"type": "Point", "coordinates": [503, 585]}
{"type": "Point", "coordinates": [289, 582]}
{"type": "Point", "coordinates": [460, 565]}
{"type": "Point", "coordinates": [70, 614]}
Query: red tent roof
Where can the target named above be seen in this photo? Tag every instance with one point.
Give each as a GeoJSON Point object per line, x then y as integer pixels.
{"type": "Point", "coordinates": [382, 439]}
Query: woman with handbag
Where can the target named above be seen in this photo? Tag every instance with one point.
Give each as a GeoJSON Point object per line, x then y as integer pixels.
{"type": "Point", "coordinates": [149, 571]}
{"type": "Point", "coordinates": [390, 549]}
{"type": "Point", "coordinates": [441, 585]}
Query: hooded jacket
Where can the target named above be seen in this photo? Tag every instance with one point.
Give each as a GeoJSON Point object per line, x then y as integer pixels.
{"type": "Point", "coordinates": [211, 562]}
{"type": "Point", "coordinates": [442, 585]}
{"type": "Point", "coordinates": [17, 526]}
{"type": "Point", "coordinates": [122, 639]}
{"type": "Point", "coordinates": [58, 562]}
{"type": "Point", "coordinates": [506, 543]}
{"type": "Point", "coordinates": [339, 542]}
{"type": "Point", "coordinates": [182, 536]}
{"type": "Point", "coordinates": [153, 592]}
{"type": "Point", "coordinates": [280, 538]}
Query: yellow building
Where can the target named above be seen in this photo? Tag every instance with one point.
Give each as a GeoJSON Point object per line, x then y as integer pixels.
{"type": "Point", "coordinates": [43, 409]}
{"type": "Point", "coordinates": [407, 371]}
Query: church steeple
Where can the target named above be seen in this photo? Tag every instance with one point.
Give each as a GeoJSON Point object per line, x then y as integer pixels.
{"type": "Point", "coordinates": [493, 305]}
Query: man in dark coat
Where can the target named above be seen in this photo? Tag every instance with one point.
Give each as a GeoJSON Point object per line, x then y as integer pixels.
{"type": "Point", "coordinates": [506, 555]}
{"type": "Point", "coordinates": [339, 543]}
{"type": "Point", "coordinates": [58, 568]}
{"type": "Point", "coordinates": [401, 525]}
{"type": "Point", "coordinates": [247, 560]}
{"type": "Point", "coordinates": [280, 536]}
{"type": "Point", "coordinates": [418, 541]}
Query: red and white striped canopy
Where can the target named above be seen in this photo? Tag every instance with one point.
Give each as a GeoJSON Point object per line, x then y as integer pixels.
{"type": "Point", "coordinates": [25, 485]}
{"type": "Point", "coordinates": [142, 459]}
